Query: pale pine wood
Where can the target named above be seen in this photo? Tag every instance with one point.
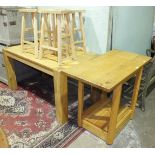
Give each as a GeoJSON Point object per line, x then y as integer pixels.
{"type": "Point", "coordinates": [10, 72]}
{"type": "Point", "coordinates": [105, 116]}
{"type": "Point", "coordinates": [53, 11]}
{"type": "Point", "coordinates": [80, 102]}
{"type": "Point", "coordinates": [77, 10]}
{"type": "Point", "coordinates": [123, 117]}
{"type": "Point", "coordinates": [103, 95]}
{"type": "Point", "coordinates": [35, 27]}
{"type": "Point", "coordinates": [28, 29]}
{"type": "Point", "coordinates": [48, 29]}
{"type": "Point", "coordinates": [94, 129]}
{"type": "Point", "coordinates": [54, 28]}
{"type": "Point", "coordinates": [113, 114]}
{"type": "Point", "coordinates": [78, 30]}
{"type": "Point", "coordinates": [94, 94]}
{"type": "Point", "coordinates": [96, 107]}
{"type": "Point", "coordinates": [73, 29]}
{"type": "Point", "coordinates": [22, 31]}
{"type": "Point", "coordinates": [92, 64]}
{"type": "Point", "coordinates": [28, 42]}
{"type": "Point", "coordinates": [59, 32]}
{"type": "Point", "coordinates": [50, 48]}
{"type": "Point", "coordinates": [97, 117]}
{"type": "Point", "coordinates": [66, 35]}
{"type": "Point", "coordinates": [97, 94]}
{"type": "Point", "coordinates": [73, 52]}
{"type": "Point", "coordinates": [83, 32]}
{"type": "Point", "coordinates": [42, 35]}
{"type": "Point", "coordinates": [3, 140]}
{"type": "Point", "coordinates": [108, 70]}
{"type": "Point", "coordinates": [60, 81]}
{"type": "Point", "coordinates": [27, 10]}
{"type": "Point", "coordinates": [61, 100]}
{"type": "Point", "coordinates": [136, 89]}
{"type": "Point", "coordinates": [104, 119]}
{"type": "Point", "coordinates": [78, 42]}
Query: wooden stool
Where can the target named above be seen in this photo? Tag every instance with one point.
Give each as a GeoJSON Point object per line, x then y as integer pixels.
{"type": "Point", "coordinates": [59, 38]}
{"type": "Point", "coordinates": [80, 30]}
{"type": "Point", "coordinates": [107, 117]}
{"type": "Point", "coordinates": [3, 140]}
{"type": "Point", "coordinates": [34, 28]}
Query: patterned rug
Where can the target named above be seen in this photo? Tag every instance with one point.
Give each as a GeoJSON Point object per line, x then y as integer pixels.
{"type": "Point", "coordinates": [28, 115]}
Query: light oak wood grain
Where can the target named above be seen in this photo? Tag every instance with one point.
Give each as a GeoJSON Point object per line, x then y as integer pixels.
{"type": "Point", "coordinates": [3, 139]}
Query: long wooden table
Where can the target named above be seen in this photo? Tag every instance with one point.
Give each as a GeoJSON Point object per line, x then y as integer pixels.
{"type": "Point", "coordinates": [107, 72]}
{"type": "Point", "coordinates": [49, 67]}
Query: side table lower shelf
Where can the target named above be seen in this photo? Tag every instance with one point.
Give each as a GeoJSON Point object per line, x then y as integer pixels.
{"type": "Point", "coordinates": [96, 118]}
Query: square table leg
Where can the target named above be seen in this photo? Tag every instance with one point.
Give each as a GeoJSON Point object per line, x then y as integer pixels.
{"type": "Point", "coordinates": [80, 102]}
{"type": "Point", "coordinates": [61, 97]}
{"type": "Point", "coordinates": [114, 112]}
{"type": "Point", "coordinates": [12, 82]}
{"type": "Point", "coordinates": [136, 90]}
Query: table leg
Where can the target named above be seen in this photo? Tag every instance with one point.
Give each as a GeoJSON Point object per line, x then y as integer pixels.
{"type": "Point", "coordinates": [80, 102]}
{"type": "Point", "coordinates": [61, 97]}
{"type": "Point", "coordinates": [97, 94]}
{"type": "Point", "coordinates": [114, 112]}
{"type": "Point", "coordinates": [10, 72]}
{"type": "Point", "coordinates": [136, 89]}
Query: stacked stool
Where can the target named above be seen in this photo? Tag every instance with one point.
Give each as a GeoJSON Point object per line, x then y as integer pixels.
{"type": "Point", "coordinates": [60, 39]}
{"type": "Point", "coordinates": [58, 28]}
{"type": "Point", "coordinates": [80, 29]}
{"type": "Point", "coordinates": [34, 29]}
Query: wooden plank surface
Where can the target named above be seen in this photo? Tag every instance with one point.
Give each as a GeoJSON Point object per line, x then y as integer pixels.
{"type": "Point", "coordinates": [103, 71]}
{"type": "Point", "coordinates": [107, 70]}
{"type": "Point", "coordinates": [28, 58]}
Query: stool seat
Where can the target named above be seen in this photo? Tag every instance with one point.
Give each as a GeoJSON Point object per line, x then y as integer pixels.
{"type": "Point", "coordinates": [27, 10]}
{"type": "Point", "coordinates": [54, 11]}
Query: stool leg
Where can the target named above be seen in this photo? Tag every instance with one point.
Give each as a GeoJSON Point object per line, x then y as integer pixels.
{"type": "Point", "coordinates": [59, 35]}
{"type": "Point", "coordinates": [65, 31]}
{"type": "Point", "coordinates": [73, 53]}
{"type": "Point", "coordinates": [41, 37]}
{"type": "Point", "coordinates": [35, 31]}
{"type": "Point", "coordinates": [82, 31]}
{"type": "Point", "coordinates": [69, 47]}
{"type": "Point", "coordinates": [135, 91]}
{"type": "Point", "coordinates": [22, 31]}
{"type": "Point", "coordinates": [48, 29]}
{"type": "Point", "coordinates": [95, 93]}
{"type": "Point", "coordinates": [114, 112]}
{"type": "Point", "coordinates": [54, 30]}
{"type": "Point", "coordinates": [80, 102]}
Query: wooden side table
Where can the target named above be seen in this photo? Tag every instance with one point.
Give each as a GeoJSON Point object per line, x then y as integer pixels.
{"type": "Point", "coordinates": [107, 72]}
{"type": "Point", "coordinates": [106, 117]}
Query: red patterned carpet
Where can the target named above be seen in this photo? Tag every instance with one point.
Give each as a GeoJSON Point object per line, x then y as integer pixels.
{"type": "Point", "coordinates": [28, 116]}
